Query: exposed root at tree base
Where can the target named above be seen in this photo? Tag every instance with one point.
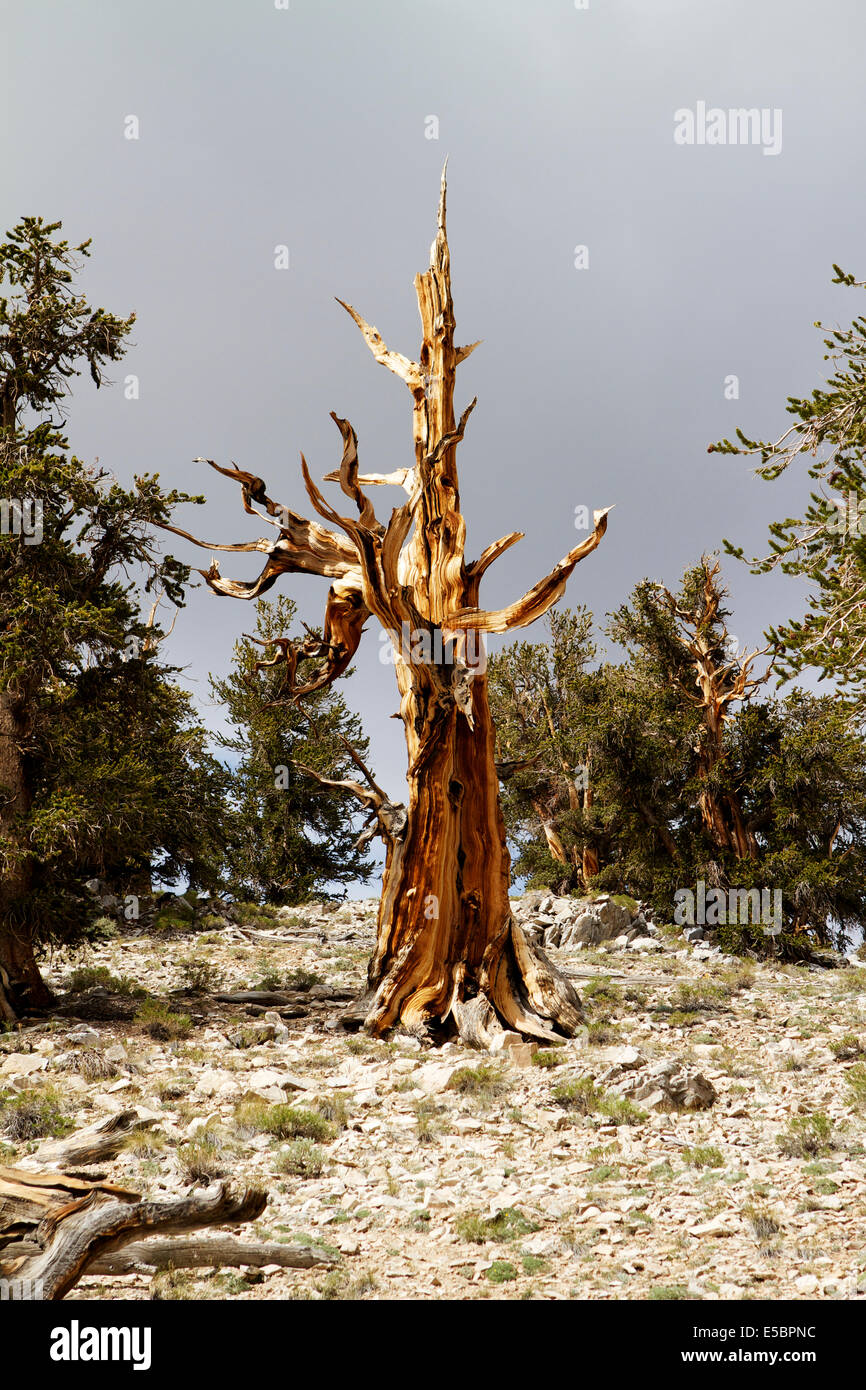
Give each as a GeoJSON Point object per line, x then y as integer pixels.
{"type": "Point", "coordinates": [519, 989]}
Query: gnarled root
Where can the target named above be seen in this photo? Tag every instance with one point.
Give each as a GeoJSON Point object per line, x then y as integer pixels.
{"type": "Point", "coordinates": [518, 988]}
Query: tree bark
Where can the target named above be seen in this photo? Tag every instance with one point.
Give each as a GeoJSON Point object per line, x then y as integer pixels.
{"type": "Point", "coordinates": [53, 1226]}
{"type": "Point", "coordinates": [446, 936]}
{"type": "Point", "coordinates": [21, 986]}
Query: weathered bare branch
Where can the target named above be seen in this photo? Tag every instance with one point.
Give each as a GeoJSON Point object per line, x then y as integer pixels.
{"type": "Point", "coordinates": [479, 567]}
{"type": "Point", "coordinates": [401, 366]}
{"type": "Point", "coordinates": [348, 475]}
{"type": "Point", "coordinates": [540, 598]}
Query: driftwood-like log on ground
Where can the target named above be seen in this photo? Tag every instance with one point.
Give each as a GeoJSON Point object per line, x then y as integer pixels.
{"type": "Point", "coordinates": [53, 1226]}
{"type": "Point", "coordinates": [96, 1144]}
{"type": "Point", "coordinates": [213, 1253]}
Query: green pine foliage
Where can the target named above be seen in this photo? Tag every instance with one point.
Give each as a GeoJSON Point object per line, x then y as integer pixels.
{"type": "Point", "coordinates": [288, 836]}
{"type": "Point", "coordinates": [797, 766]}
{"type": "Point", "coordinates": [827, 545]}
{"type": "Point", "coordinates": [106, 770]}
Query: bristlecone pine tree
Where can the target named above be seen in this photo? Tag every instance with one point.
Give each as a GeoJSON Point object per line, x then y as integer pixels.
{"type": "Point", "coordinates": [686, 639]}
{"type": "Point", "coordinates": [448, 952]}
{"type": "Point", "coordinates": [539, 695]}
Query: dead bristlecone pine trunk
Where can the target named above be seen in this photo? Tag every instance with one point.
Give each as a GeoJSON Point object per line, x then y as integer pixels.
{"type": "Point", "coordinates": [448, 954]}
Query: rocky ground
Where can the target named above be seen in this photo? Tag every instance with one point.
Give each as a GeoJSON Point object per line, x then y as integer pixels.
{"type": "Point", "coordinates": [703, 1138]}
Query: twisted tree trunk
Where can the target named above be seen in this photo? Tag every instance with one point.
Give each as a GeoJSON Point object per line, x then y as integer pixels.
{"type": "Point", "coordinates": [21, 985]}
{"type": "Point", "coordinates": [448, 952]}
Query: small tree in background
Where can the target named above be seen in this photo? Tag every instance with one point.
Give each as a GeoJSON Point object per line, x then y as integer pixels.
{"type": "Point", "coordinates": [794, 771]}
{"type": "Point", "coordinates": [288, 836]}
{"type": "Point", "coordinates": [683, 641]}
{"type": "Point", "coordinates": [537, 693]}
{"type": "Point", "coordinates": [593, 764]}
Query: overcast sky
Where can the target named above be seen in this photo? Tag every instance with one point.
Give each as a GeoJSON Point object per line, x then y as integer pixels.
{"type": "Point", "coordinates": [308, 127]}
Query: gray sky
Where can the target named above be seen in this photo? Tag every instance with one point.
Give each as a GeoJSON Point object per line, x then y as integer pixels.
{"type": "Point", "coordinates": [306, 127]}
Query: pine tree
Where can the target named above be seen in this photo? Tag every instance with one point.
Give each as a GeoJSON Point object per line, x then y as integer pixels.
{"type": "Point", "coordinates": [593, 762]}
{"type": "Point", "coordinates": [771, 796]}
{"type": "Point", "coordinates": [103, 769]}
{"type": "Point", "coordinates": [827, 545]}
{"type": "Point", "coordinates": [288, 835]}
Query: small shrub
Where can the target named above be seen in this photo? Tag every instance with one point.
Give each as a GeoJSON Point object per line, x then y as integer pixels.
{"type": "Point", "coordinates": [621, 1111]}
{"type": "Point", "coordinates": [793, 1063]}
{"type": "Point", "coordinates": [667, 1293]}
{"type": "Point", "coordinates": [547, 1058]}
{"type": "Point", "coordinates": [849, 1047]}
{"type": "Point", "coordinates": [200, 976]}
{"type": "Point", "coordinates": [100, 977]}
{"type": "Point", "coordinates": [507, 1224]}
{"type": "Point", "coordinates": [602, 990]}
{"type": "Point", "coordinates": [335, 1109]}
{"type": "Point", "coordinates": [284, 1121]}
{"type": "Point", "coordinates": [856, 1079]}
{"type": "Point", "coordinates": [303, 980]}
{"type": "Point", "coordinates": [763, 1223]}
{"type": "Point", "coordinates": [268, 979]}
{"type": "Point", "coordinates": [808, 1136]}
{"type": "Point", "coordinates": [33, 1115]}
{"type": "Point", "coordinates": [174, 1088]}
{"type": "Point", "coordinates": [661, 1171]}
{"type": "Point", "coordinates": [101, 929]}
{"type": "Point", "coordinates": [175, 1284]}
{"type": "Point", "coordinates": [582, 1097]}
{"type": "Point", "coordinates": [484, 1083]}
{"type": "Point", "coordinates": [91, 1065]}
{"type": "Point", "coordinates": [201, 1160]}
{"type": "Point", "coordinates": [255, 914]}
{"type": "Point", "coordinates": [144, 1143]}
{"type": "Point", "coordinates": [704, 1156]}
{"type": "Point", "coordinates": [500, 1272]}
{"type": "Point", "coordinates": [340, 1285]}
{"type": "Point", "coordinates": [699, 995]}
{"type": "Point", "coordinates": [603, 1034]}
{"type": "Point", "coordinates": [321, 1061]}
{"type": "Point", "coordinates": [426, 1117]}
{"type": "Point", "coordinates": [302, 1159]}
{"type": "Point", "coordinates": [605, 1172]}
{"type": "Point", "coordinates": [169, 920]}
{"type": "Point", "coordinates": [212, 923]}
{"type": "Point", "coordinates": [161, 1022]}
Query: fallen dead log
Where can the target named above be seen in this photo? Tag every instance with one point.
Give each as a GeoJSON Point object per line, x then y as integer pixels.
{"type": "Point", "coordinates": [317, 994]}
{"type": "Point", "coordinates": [257, 996]}
{"type": "Point", "coordinates": [53, 1227]}
{"type": "Point", "coordinates": [144, 1256]}
{"type": "Point", "coordinates": [27, 1199]}
{"type": "Point", "coordinates": [94, 1145]}
{"type": "Point", "coordinates": [623, 977]}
